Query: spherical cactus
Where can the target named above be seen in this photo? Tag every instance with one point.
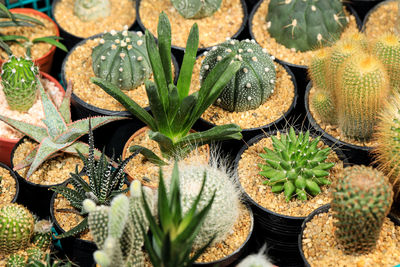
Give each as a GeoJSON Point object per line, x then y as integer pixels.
{"type": "Point", "coordinates": [16, 260]}
{"type": "Point", "coordinates": [296, 165]}
{"type": "Point", "coordinates": [324, 106]}
{"type": "Point", "coordinates": [252, 84]}
{"type": "Point", "coordinates": [305, 24]}
{"type": "Point", "coordinates": [42, 235]}
{"type": "Point", "coordinates": [20, 83]}
{"type": "Point", "coordinates": [16, 228]}
{"type": "Point", "coordinates": [87, 10]}
{"type": "Point", "coordinates": [35, 253]}
{"type": "Point", "coordinates": [363, 86]}
{"type": "Point", "coordinates": [121, 58]}
{"type": "Point", "coordinates": [318, 67]}
{"type": "Point", "coordinates": [224, 211]}
{"type": "Point", "coordinates": [387, 49]}
{"type": "Point", "coordinates": [196, 9]}
{"type": "Point", "coordinates": [361, 201]}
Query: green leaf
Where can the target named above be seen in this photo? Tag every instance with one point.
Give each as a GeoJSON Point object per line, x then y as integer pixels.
{"type": "Point", "coordinates": [6, 48]}
{"type": "Point", "coordinates": [12, 37]}
{"type": "Point", "coordinates": [22, 19]}
{"type": "Point", "coordinates": [183, 114]}
{"type": "Point", "coordinates": [164, 45]}
{"type": "Point", "coordinates": [82, 226]}
{"type": "Point", "coordinates": [14, 24]}
{"type": "Point", "coordinates": [65, 106]}
{"type": "Point", "coordinates": [157, 109]}
{"type": "Point", "coordinates": [35, 132]}
{"type": "Point", "coordinates": [71, 195]}
{"type": "Point", "coordinates": [148, 154]}
{"type": "Point", "coordinates": [165, 143]}
{"type": "Point", "coordinates": [50, 40]}
{"type": "Point", "coordinates": [173, 104]}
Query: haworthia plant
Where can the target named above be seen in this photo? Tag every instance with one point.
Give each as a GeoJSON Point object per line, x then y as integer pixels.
{"type": "Point", "coordinates": [88, 10]}
{"type": "Point", "coordinates": [196, 9]}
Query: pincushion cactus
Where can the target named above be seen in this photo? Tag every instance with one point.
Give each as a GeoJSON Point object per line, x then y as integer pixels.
{"type": "Point", "coordinates": [324, 106]}
{"type": "Point", "coordinates": [296, 165]}
{"type": "Point", "coordinates": [196, 9]}
{"type": "Point", "coordinates": [255, 81]}
{"type": "Point", "coordinates": [361, 201]}
{"type": "Point", "coordinates": [88, 10]}
{"type": "Point", "coordinates": [20, 85]}
{"type": "Point", "coordinates": [121, 58]}
{"type": "Point", "coordinates": [305, 24]}
{"type": "Point", "coordinates": [42, 234]}
{"type": "Point", "coordinates": [16, 260]}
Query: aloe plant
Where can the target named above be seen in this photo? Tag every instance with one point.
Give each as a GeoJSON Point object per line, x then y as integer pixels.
{"type": "Point", "coordinates": [174, 111]}
{"type": "Point", "coordinates": [60, 133]}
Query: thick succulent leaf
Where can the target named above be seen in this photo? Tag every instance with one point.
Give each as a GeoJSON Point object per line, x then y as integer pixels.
{"type": "Point", "coordinates": [12, 37]}
{"type": "Point", "coordinates": [65, 106]}
{"type": "Point", "coordinates": [82, 226]}
{"type": "Point", "coordinates": [83, 148]}
{"type": "Point", "coordinates": [71, 195]}
{"type": "Point", "coordinates": [27, 160]}
{"type": "Point", "coordinates": [83, 124]}
{"type": "Point", "coordinates": [51, 40]}
{"type": "Point", "coordinates": [13, 24]}
{"type": "Point", "coordinates": [157, 109]}
{"type": "Point", "coordinates": [173, 103]}
{"type": "Point", "coordinates": [165, 143]}
{"type": "Point", "coordinates": [148, 154]}
{"type": "Point", "coordinates": [183, 113]}
{"type": "Point", "coordinates": [164, 45]}
{"type": "Point", "coordinates": [35, 132]}
{"type": "Point", "coordinates": [5, 46]}
{"type": "Point", "coordinates": [79, 184]}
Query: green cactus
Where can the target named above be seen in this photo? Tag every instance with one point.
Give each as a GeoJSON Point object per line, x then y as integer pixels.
{"type": "Point", "coordinates": [363, 85]}
{"type": "Point", "coordinates": [251, 86]}
{"type": "Point", "coordinates": [34, 253]}
{"type": "Point", "coordinates": [117, 230]}
{"type": "Point", "coordinates": [42, 235]}
{"type": "Point", "coordinates": [305, 24]}
{"type": "Point", "coordinates": [121, 58]}
{"type": "Point", "coordinates": [88, 10]}
{"type": "Point", "coordinates": [16, 260]}
{"type": "Point", "coordinates": [16, 228]}
{"type": "Point", "coordinates": [20, 83]}
{"type": "Point", "coordinates": [318, 67]}
{"type": "Point", "coordinates": [196, 9]}
{"type": "Point", "coordinates": [296, 165]}
{"type": "Point", "coordinates": [323, 105]}
{"type": "Point", "coordinates": [224, 211]}
{"type": "Point", "coordinates": [361, 201]}
{"type": "Point", "coordinates": [387, 49]}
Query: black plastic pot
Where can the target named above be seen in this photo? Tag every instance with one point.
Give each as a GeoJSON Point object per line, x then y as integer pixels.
{"type": "Point", "coordinates": [12, 173]}
{"type": "Point", "coordinates": [373, 7]}
{"type": "Point", "coordinates": [322, 209]}
{"type": "Point", "coordinates": [279, 231]}
{"type": "Point", "coordinates": [364, 6]}
{"type": "Point", "coordinates": [355, 154]}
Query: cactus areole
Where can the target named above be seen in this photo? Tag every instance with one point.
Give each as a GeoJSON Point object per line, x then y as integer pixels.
{"type": "Point", "coordinates": [196, 9]}
{"type": "Point", "coordinates": [305, 24]}
{"type": "Point", "coordinates": [252, 84]}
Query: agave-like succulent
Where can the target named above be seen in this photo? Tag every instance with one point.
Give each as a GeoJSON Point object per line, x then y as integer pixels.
{"type": "Point", "coordinates": [60, 133]}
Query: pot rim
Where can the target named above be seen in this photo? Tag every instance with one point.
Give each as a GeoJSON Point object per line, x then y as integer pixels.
{"type": "Point", "coordinates": [12, 173]}
{"type": "Point", "coordinates": [372, 10]}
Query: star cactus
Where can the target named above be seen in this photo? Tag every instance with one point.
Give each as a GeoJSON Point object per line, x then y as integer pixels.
{"type": "Point", "coordinates": [60, 133]}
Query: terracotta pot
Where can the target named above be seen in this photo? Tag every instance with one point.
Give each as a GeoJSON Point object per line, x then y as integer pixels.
{"type": "Point", "coordinates": [6, 144]}
{"type": "Point", "coordinates": [45, 61]}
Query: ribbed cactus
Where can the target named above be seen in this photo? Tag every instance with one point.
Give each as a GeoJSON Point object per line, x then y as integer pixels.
{"type": "Point", "coordinates": [34, 253]}
{"type": "Point", "coordinates": [317, 68]}
{"type": "Point", "coordinates": [16, 260]}
{"type": "Point", "coordinates": [196, 9]}
{"type": "Point", "coordinates": [305, 24]}
{"type": "Point", "coordinates": [16, 228]}
{"type": "Point", "coordinates": [87, 10]}
{"type": "Point", "coordinates": [117, 229]}
{"type": "Point", "coordinates": [324, 106]}
{"type": "Point", "coordinates": [20, 83]}
{"type": "Point", "coordinates": [363, 85]}
{"type": "Point", "coordinates": [296, 165]}
{"type": "Point", "coordinates": [252, 84]}
{"type": "Point", "coordinates": [121, 58]}
{"type": "Point", "coordinates": [387, 49]}
{"type": "Point", "coordinates": [361, 201]}
{"type": "Point", "coordinates": [42, 234]}
{"type": "Point", "coordinates": [225, 208]}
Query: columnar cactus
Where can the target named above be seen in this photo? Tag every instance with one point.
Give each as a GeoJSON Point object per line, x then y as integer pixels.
{"type": "Point", "coordinates": [88, 10]}
{"type": "Point", "coordinates": [361, 201]}
{"type": "Point", "coordinates": [16, 229]}
{"type": "Point", "coordinates": [196, 9]}
{"type": "Point", "coordinates": [318, 67]}
{"type": "Point", "coordinates": [305, 24]}
{"type": "Point", "coordinates": [42, 234]}
{"type": "Point", "coordinates": [363, 86]}
{"type": "Point", "coordinates": [20, 83]}
{"type": "Point", "coordinates": [224, 211]}
{"type": "Point", "coordinates": [324, 106]}
{"type": "Point", "coordinates": [296, 165]}
{"type": "Point", "coordinates": [252, 84]}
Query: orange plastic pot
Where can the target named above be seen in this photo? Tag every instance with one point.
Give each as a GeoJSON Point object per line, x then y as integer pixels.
{"type": "Point", "coordinates": [46, 60]}
{"type": "Point", "coordinates": [7, 144]}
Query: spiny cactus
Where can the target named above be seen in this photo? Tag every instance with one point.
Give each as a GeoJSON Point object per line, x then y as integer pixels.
{"type": "Point", "coordinates": [296, 165]}
{"type": "Point", "coordinates": [18, 78]}
{"type": "Point", "coordinates": [118, 229]}
{"type": "Point", "coordinates": [256, 260]}
{"type": "Point", "coordinates": [317, 68]}
{"type": "Point", "coordinates": [88, 10]}
{"type": "Point", "coordinates": [42, 234]}
{"type": "Point", "coordinates": [121, 58]}
{"type": "Point", "coordinates": [196, 9]}
{"type": "Point", "coordinates": [305, 24]}
{"type": "Point", "coordinates": [34, 253]}
{"type": "Point", "coordinates": [16, 228]}
{"type": "Point", "coordinates": [387, 49]}
{"type": "Point", "coordinates": [16, 260]}
{"type": "Point", "coordinates": [361, 201]}
{"type": "Point", "coordinates": [324, 106]}
{"type": "Point", "coordinates": [251, 86]}
{"type": "Point", "coordinates": [225, 208]}
{"type": "Point", "coordinates": [363, 85]}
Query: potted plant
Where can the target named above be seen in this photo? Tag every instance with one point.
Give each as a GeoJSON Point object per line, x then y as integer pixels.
{"type": "Point", "coordinates": [354, 229]}
{"type": "Point", "coordinates": [285, 176]}
{"type": "Point", "coordinates": [8, 184]}
{"type": "Point", "coordinates": [174, 111]}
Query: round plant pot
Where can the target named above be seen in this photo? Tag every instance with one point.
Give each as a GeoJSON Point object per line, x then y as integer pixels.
{"type": "Point", "coordinates": [355, 154]}
{"type": "Point", "coordinates": [362, 7]}
{"type": "Point", "coordinates": [45, 62]}
{"type": "Point", "coordinates": [14, 199]}
{"type": "Point", "coordinates": [279, 231]}
{"type": "Point", "coordinates": [374, 5]}
{"type": "Point", "coordinates": [7, 144]}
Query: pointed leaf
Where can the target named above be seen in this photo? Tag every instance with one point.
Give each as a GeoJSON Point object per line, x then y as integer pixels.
{"type": "Point", "coordinates": [12, 37]}
{"type": "Point", "coordinates": [4, 46]}
{"type": "Point", "coordinates": [157, 109]}
{"type": "Point", "coordinates": [35, 132]}
{"type": "Point", "coordinates": [27, 160]}
{"type": "Point", "coordinates": [184, 112]}
{"type": "Point", "coordinates": [148, 154]}
{"type": "Point", "coordinates": [82, 226]}
{"type": "Point", "coordinates": [165, 143]}
{"type": "Point", "coordinates": [83, 124]}
{"type": "Point", "coordinates": [71, 195]}
{"type": "Point", "coordinates": [50, 40]}
{"type": "Point", "coordinates": [64, 108]}
{"type": "Point", "coordinates": [164, 45]}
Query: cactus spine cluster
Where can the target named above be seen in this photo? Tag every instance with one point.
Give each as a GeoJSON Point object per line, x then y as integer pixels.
{"type": "Point", "coordinates": [224, 210]}
{"type": "Point", "coordinates": [88, 10]}
{"type": "Point", "coordinates": [296, 165]}
{"type": "Point", "coordinates": [117, 230]}
{"type": "Point", "coordinates": [361, 201]}
{"type": "Point", "coordinates": [305, 24]}
{"type": "Point", "coordinates": [196, 9]}
{"type": "Point", "coordinates": [20, 83]}
{"type": "Point", "coordinates": [251, 86]}
{"type": "Point", "coordinates": [121, 58]}
{"type": "Point", "coordinates": [42, 235]}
